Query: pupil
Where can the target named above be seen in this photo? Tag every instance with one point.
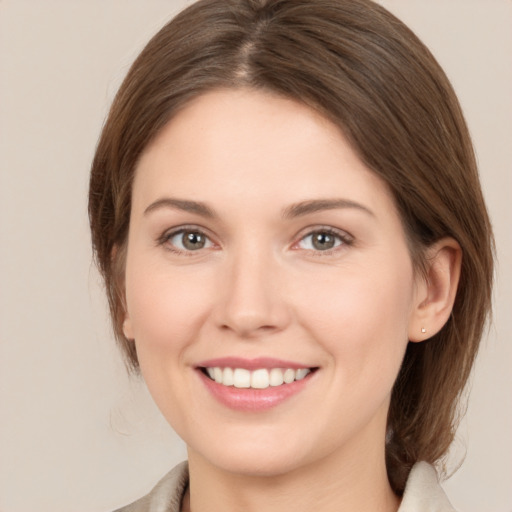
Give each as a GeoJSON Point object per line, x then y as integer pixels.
{"type": "Point", "coordinates": [323, 241]}
{"type": "Point", "coordinates": [193, 241]}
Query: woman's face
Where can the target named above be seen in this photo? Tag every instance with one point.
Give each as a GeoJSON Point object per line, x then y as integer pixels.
{"type": "Point", "coordinates": [260, 249]}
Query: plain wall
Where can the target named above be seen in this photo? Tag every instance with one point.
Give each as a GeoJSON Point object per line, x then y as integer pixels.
{"type": "Point", "coordinates": [76, 434]}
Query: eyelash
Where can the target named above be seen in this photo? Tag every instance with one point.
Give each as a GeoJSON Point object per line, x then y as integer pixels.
{"type": "Point", "coordinates": [166, 237]}
{"type": "Point", "coordinates": [344, 239]}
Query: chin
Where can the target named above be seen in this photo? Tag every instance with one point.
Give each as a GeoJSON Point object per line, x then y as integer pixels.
{"type": "Point", "coordinates": [272, 465]}
{"type": "Point", "coordinates": [262, 458]}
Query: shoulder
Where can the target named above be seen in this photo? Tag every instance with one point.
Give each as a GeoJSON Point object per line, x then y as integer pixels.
{"type": "Point", "coordinates": [423, 492]}
{"type": "Point", "coordinates": [166, 495]}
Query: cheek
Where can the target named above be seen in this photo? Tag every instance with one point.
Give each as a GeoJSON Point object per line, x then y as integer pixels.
{"type": "Point", "coordinates": [361, 317]}
{"type": "Point", "coordinates": [165, 307]}
{"type": "Point", "coordinates": [167, 310]}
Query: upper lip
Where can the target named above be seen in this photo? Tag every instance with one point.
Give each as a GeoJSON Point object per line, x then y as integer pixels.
{"type": "Point", "coordinates": [251, 364]}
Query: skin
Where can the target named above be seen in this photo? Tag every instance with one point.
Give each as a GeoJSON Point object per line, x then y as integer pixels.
{"type": "Point", "coordinates": [259, 288]}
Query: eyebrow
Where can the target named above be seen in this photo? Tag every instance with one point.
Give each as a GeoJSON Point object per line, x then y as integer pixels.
{"type": "Point", "coordinates": [317, 205]}
{"type": "Point", "coordinates": [292, 211]}
{"type": "Point", "coordinates": [181, 204]}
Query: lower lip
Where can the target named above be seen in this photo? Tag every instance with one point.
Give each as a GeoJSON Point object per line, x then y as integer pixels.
{"type": "Point", "coordinates": [253, 400]}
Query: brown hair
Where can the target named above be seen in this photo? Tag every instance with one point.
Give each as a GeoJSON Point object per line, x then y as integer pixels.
{"type": "Point", "coordinates": [358, 65]}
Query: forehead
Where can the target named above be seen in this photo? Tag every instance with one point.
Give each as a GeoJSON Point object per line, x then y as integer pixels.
{"type": "Point", "coordinates": [248, 144]}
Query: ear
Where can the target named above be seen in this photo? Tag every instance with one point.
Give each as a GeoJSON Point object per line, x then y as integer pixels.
{"type": "Point", "coordinates": [436, 290]}
{"type": "Point", "coordinates": [118, 258]}
{"type": "Point", "coordinates": [127, 328]}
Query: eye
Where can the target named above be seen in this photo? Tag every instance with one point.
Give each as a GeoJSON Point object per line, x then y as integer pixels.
{"type": "Point", "coordinates": [186, 240]}
{"type": "Point", "coordinates": [322, 240]}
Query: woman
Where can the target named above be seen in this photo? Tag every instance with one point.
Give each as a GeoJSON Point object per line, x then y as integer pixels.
{"type": "Point", "coordinates": [285, 208]}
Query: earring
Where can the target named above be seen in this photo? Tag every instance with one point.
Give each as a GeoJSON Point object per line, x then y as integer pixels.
{"type": "Point", "coordinates": [423, 330]}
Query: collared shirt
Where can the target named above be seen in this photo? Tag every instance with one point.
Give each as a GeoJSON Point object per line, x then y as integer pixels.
{"type": "Point", "coordinates": [423, 493]}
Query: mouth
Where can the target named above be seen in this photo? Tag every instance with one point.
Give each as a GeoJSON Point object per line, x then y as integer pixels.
{"type": "Point", "coordinates": [254, 385]}
{"type": "Point", "coordinates": [259, 378]}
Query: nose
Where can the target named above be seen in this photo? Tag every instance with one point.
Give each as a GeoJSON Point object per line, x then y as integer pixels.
{"type": "Point", "coordinates": [252, 300]}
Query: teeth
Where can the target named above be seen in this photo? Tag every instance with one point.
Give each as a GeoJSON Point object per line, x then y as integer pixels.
{"type": "Point", "coordinates": [257, 379]}
{"type": "Point", "coordinates": [227, 377]}
{"type": "Point", "coordinates": [260, 379]}
{"type": "Point", "coordinates": [241, 378]}
{"type": "Point", "coordinates": [218, 375]}
{"type": "Point", "coordinates": [289, 376]}
{"type": "Point", "coordinates": [301, 373]}
{"type": "Point", "coordinates": [276, 377]}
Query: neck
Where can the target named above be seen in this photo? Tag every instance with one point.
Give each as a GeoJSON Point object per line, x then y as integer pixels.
{"type": "Point", "coordinates": [340, 482]}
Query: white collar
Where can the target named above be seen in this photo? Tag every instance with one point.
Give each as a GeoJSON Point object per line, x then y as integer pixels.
{"type": "Point", "coordinates": [423, 493]}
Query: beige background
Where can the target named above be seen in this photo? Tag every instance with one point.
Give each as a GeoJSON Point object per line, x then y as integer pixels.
{"type": "Point", "coordinates": [75, 433]}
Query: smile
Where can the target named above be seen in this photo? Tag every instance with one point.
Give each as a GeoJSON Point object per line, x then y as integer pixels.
{"type": "Point", "coordinates": [255, 385]}
{"type": "Point", "coordinates": [260, 378]}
